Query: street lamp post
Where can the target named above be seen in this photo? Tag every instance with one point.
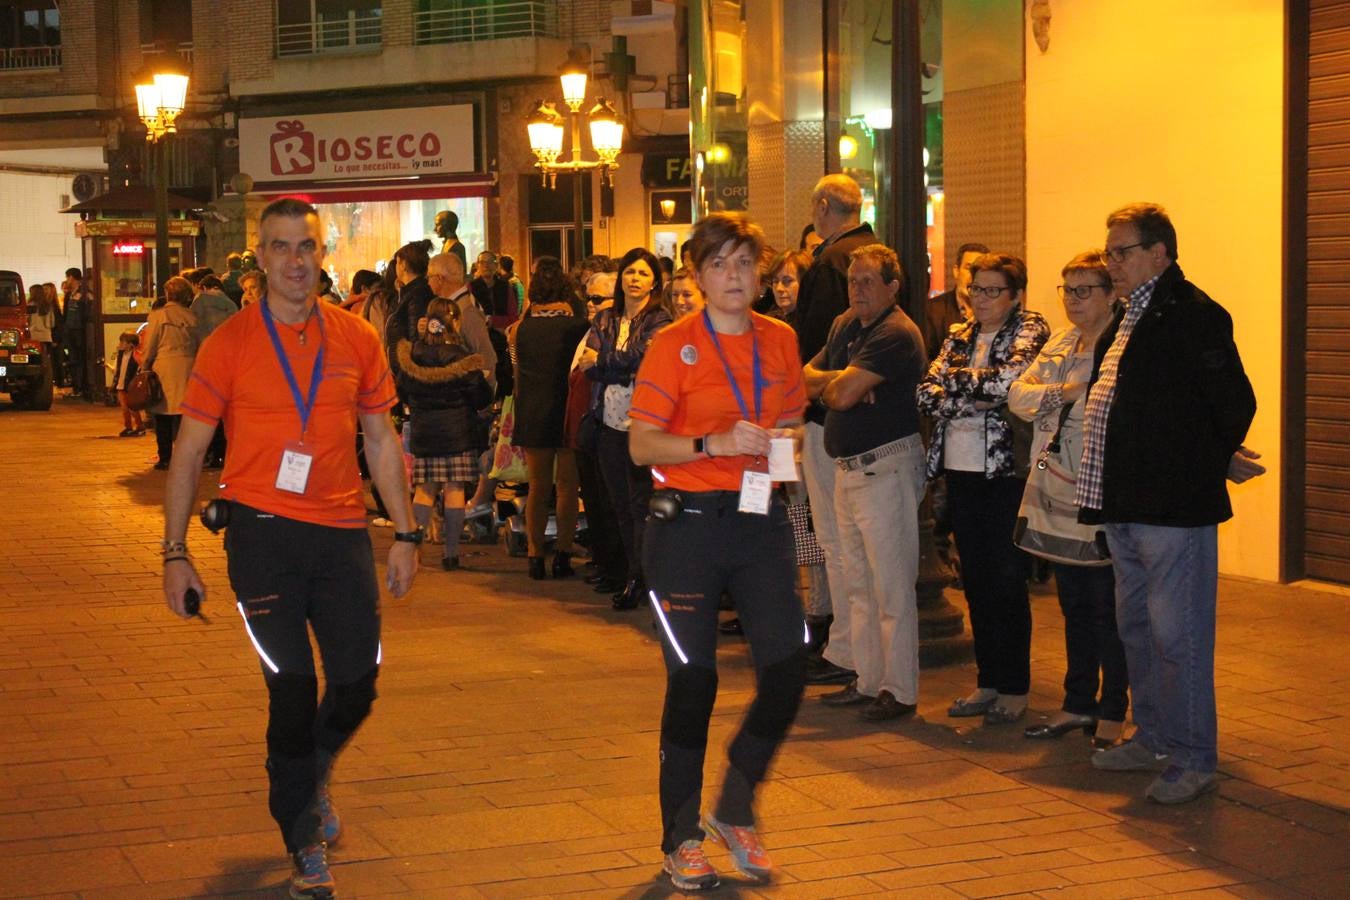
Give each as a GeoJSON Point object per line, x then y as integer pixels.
{"type": "Point", "coordinates": [546, 131]}
{"type": "Point", "coordinates": [161, 94]}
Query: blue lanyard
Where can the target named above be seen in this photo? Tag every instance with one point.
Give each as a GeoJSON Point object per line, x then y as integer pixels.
{"type": "Point", "coordinates": [302, 405]}
{"type": "Point", "coordinates": [757, 375]}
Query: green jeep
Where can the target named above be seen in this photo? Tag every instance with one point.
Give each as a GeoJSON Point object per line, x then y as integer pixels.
{"type": "Point", "coordinates": [25, 371]}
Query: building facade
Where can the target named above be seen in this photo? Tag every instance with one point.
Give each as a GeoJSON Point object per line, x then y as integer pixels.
{"type": "Point", "coordinates": [1037, 119]}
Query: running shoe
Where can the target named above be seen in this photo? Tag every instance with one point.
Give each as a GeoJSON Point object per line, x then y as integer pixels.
{"type": "Point", "coordinates": [689, 869]}
{"type": "Point", "coordinates": [328, 817]}
{"type": "Point", "coordinates": [747, 853]}
{"type": "Point", "coordinates": [311, 879]}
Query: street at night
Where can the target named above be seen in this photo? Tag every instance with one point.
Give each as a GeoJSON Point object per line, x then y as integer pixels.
{"type": "Point", "coordinates": [513, 749]}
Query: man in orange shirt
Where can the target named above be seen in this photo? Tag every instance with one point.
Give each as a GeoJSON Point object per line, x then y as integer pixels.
{"type": "Point", "coordinates": [290, 377]}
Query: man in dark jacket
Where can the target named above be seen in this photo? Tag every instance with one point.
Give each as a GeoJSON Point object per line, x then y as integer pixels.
{"type": "Point", "coordinates": [949, 308]}
{"type": "Point", "coordinates": [822, 296]}
{"type": "Point", "coordinates": [1164, 423]}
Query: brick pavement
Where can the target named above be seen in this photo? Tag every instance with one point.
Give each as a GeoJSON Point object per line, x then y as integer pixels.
{"type": "Point", "coordinates": [513, 750]}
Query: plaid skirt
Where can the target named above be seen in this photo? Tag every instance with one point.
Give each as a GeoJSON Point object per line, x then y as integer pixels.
{"type": "Point", "coordinates": [457, 467]}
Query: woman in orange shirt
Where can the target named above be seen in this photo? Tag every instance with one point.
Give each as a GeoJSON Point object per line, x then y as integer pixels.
{"type": "Point", "coordinates": [717, 393]}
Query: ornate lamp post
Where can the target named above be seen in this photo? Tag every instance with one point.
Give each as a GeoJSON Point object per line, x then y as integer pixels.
{"type": "Point", "coordinates": [546, 130]}
{"type": "Point", "coordinates": [161, 94]}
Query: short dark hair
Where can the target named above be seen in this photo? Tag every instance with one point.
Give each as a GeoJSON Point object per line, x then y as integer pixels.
{"type": "Point", "coordinates": [363, 279]}
{"type": "Point", "coordinates": [1013, 269]}
{"type": "Point", "coordinates": [451, 220]}
{"type": "Point", "coordinates": [721, 228]}
{"type": "Point", "coordinates": [884, 257]}
{"type": "Point", "coordinates": [969, 247]}
{"type": "Point", "coordinates": [1152, 223]}
{"type": "Point", "coordinates": [415, 255]}
{"type": "Point", "coordinates": [73, 272]}
{"type": "Point", "coordinates": [234, 260]}
{"type": "Point", "coordinates": [130, 337]}
{"type": "Point", "coordinates": [290, 207]}
{"type": "Point", "coordinates": [256, 275]}
{"type": "Point", "coordinates": [809, 229]}
{"type": "Point", "coordinates": [632, 256]}
{"type": "Point", "coordinates": [798, 259]}
{"type": "Point", "coordinates": [195, 276]}
{"type": "Point", "coordinates": [1087, 261]}
{"type": "Point", "coordinates": [507, 263]}
{"type": "Point", "coordinates": [549, 283]}
{"type": "Point", "coordinates": [211, 281]}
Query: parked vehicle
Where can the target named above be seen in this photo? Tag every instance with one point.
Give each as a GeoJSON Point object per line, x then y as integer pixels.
{"type": "Point", "coordinates": [25, 371]}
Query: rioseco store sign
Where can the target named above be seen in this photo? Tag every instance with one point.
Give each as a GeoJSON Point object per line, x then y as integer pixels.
{"type": "Point", "coordinates": [426, 140]}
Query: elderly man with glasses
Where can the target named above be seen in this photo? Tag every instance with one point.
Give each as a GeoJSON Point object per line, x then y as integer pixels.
{"type": "Point", "coordinates": [1164, 422]}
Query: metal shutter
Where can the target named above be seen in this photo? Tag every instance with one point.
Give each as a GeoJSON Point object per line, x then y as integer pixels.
{"type": "Point", "coordinates": [1327, 497]}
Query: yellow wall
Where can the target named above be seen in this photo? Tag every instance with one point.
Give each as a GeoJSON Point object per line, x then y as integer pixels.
{"type": "Point", "coordinates": [1179, 104]}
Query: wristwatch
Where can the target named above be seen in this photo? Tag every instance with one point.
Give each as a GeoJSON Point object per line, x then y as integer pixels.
{"type": "Point", "coordinates": [409, 537]}
{"type": "Point", "coordinates": [701, 446]}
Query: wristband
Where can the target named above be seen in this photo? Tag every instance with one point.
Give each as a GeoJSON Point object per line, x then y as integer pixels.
{"type": "Point", "coordinates": [409, 537]}
{"type": "Point", "coordinates": [169, 559]}
{"type": "Point", "coordinates": [173, 546]}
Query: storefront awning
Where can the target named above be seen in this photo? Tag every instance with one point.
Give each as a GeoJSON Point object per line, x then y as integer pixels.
{"type": "Point", "coordinates": [426, 187]}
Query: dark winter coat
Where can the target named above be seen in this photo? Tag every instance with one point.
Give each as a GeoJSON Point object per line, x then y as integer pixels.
{"type": "Point", "coordinates": [444, 387]}
{"type": "Point", "coordinates": [1182, 408]}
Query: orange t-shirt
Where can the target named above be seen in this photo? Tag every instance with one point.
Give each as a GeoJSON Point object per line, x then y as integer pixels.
{"type": "Point", "coordinates": [238, 378]}
{"type": "Point", "coordinates": [682, 388]}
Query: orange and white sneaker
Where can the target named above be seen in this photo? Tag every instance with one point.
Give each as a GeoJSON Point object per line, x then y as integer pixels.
{"type": "Point", "coordinates": [747, 853]}
{"type": "Point", "coordinates": [311, 879]}
{"type": "Point", "coordinates": [689, 869]}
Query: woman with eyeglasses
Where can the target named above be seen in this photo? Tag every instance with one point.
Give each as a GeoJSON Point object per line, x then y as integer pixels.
{"type": "Point", "coordinates": [985, 462]}
{"type": "Point", "coordinates": [1052, 394]}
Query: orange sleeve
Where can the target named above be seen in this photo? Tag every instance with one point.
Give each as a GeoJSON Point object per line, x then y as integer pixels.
{"type": "Point", "coordinates": [658, 382]}
{"type": "Point", "coordinates": [376, 392]}
{"type": "Point", "coordinates": [211, 381]}
{"type": "Point", "coordinates": [794, 386]}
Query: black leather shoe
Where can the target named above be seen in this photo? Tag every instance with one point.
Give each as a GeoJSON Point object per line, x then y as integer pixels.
{"type": "Point", "coordinates": [1045, 730]}
{"type": "Point", "coordinates": [562, 565]}
{"type": "Point", "coordinates": [821, 671]}
{"type": "Point", "coordinates": [608, 585]}
{"type": "Point", "coordinates": [595, 578]}
{"type": "Point", "coordinates": [886, 707]}
{"type": "Point", "coordinates": [629, 597]}
{"type": "Point", "coordinates": [537, 568]}
{"type": "Point", "coordinates": [849, 696]}
{"type": "Point", "coordinates": [731, 626]}
{"type": "Point", "coordinates": [449, 563]}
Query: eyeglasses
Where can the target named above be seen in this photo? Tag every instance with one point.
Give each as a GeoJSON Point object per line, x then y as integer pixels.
{"type": "Point", "coordinates": [1118, 254]}
{"type": "Point", "coordinates": [597, 299]}
{"type": "Point", "coordinates": [1082, 291]}
{"type": "Point", "coordinates": [993, 293]}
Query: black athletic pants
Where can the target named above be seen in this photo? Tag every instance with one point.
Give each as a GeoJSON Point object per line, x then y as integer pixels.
{"type": "Point", "coordinates": [751, 557]}
{"type": "Point", "coordinates": [290, 576]}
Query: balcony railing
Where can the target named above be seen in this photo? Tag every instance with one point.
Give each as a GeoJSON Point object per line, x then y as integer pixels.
{"type": "Point", "coordinates": [30, 58]}
{"type": "Point", "coordinates": [522, 18]}
{"type": "Point", "coordinates": [182, 48]}
{"type": "Point", "coordinates": [330, 35]}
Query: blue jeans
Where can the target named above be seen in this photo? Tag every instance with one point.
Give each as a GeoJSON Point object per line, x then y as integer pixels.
{"type": "Point", "coordinates": [1166, 587]}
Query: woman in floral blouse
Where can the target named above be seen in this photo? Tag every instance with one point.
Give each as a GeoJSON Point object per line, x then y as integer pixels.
{"type": "Point", "coordinates": [985, 464]}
